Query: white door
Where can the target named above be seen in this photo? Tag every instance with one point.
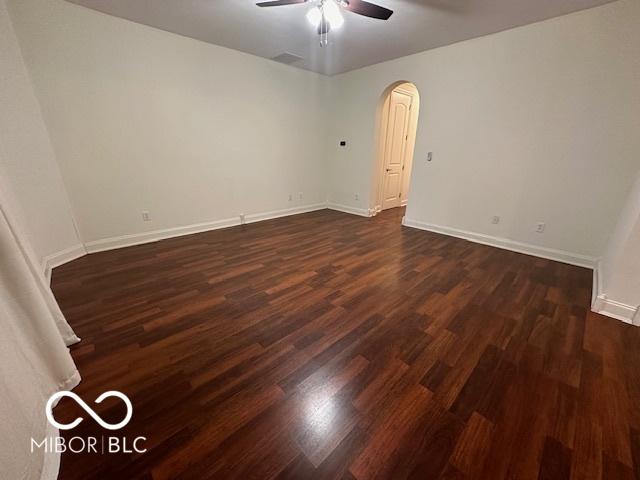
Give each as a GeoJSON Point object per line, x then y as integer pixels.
{"type": "Point", "coordinates": [394, 148]}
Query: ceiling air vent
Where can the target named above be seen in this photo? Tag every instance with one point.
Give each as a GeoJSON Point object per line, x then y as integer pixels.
{"type": "Point", "coordinates": [287, 58]}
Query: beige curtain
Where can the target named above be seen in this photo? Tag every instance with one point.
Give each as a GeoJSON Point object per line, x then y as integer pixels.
{"type": "Point", "coordinates": [34, 359]}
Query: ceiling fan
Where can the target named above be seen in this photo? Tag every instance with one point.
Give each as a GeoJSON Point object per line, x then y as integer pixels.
{"type": "Point", "coordinates": [326, 14]}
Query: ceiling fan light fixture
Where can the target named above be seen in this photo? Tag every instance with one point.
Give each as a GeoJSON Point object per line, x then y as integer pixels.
{"type": "Point", "coordinates": [314, 16]}
{"type": "Point", "coordinates": [326, 15]}
{"type": "Point", "coordinates": [332, 13]}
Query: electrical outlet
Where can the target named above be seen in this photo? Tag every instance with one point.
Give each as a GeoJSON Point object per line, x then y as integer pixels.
{"type": "Point", "coordinates": [146, 217]}
{"type": "Point", "coordinates": [290, 197]}
{"type": "Point", "coordinates": [540, 227]}
{"type": "Point", "coordinates": [356, 196]}
{"type": "Point", "coordinates": [495, 220]}
{"type": "Point", "coordinates": [242, 219]}
{"type": "Point", "coordinates": [429, 156]}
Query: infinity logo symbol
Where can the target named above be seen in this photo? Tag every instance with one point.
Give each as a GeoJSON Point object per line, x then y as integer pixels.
{"type": "Point", "coordinates": [112, 393]}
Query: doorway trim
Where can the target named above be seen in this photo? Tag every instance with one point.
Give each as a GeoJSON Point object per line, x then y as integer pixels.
{"type": "Point", "coordinates": [381, 137]}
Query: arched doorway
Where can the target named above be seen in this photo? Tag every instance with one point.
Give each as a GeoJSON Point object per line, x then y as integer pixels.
{"type": "Point", "coordinates": [398, 113]}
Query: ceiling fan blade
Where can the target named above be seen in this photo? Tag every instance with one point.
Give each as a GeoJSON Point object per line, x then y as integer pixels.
{"type": "Point", "coordinates": [277, 3]}
{"type": "Point", "coordinates": [368, 9]}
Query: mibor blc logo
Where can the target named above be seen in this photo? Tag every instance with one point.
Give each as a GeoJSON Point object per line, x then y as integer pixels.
{"type": "Point", "coordinates": [113, 393]}
{"type": "Point", "coordinates": [102, 444]}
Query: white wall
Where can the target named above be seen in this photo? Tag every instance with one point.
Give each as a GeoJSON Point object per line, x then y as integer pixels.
{"type": "Point", "coordinates": [619, 269]}
{"type": "Point", "coordinates": [29, 175]}
{"type": "Point", "coordinates": [142, 119]}
{"type": "Point", "coordinates": [535, 124]}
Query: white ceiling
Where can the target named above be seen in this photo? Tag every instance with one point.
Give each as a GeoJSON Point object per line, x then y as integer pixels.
{"type": "Point", "coordinates": [416, 25]}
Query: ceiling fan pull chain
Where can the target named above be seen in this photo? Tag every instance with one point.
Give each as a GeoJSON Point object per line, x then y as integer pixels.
{"type": "Point", "coordinates": [324, 31]}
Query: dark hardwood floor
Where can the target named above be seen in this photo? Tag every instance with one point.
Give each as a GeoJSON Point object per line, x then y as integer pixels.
{"type": "Point", "coordinates": [327, 345]}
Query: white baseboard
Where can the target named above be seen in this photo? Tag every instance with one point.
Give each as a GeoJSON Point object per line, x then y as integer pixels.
{"type": "Point", "coordinates": [59, 258]}
{"type": "Point", "coordinates": [602, 304]}
{"type": "Point", "coordinates": [507, 244]}
{"type": "Point", "coordinates": [352, 210]}
{"type": "Point", "coordinates": [596, 288]}
{"type": "Point", "coordinates": [375, 210]}
{"type": "Point", "coordinates": [130, 240]}
{"type": "Point", "coordinates": [620, 311]}
{"type": "Point", "coordinates": [155, 235]}
{"type": "Point", "coordinates": [259, 217]}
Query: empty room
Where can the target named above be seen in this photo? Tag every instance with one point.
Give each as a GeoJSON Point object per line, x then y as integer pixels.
{"type": "Point", "coordinates": [320, 239]}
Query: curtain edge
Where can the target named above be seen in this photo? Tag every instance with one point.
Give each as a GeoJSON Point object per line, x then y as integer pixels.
{"type": "Point", "coordinates": [72, 340]}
